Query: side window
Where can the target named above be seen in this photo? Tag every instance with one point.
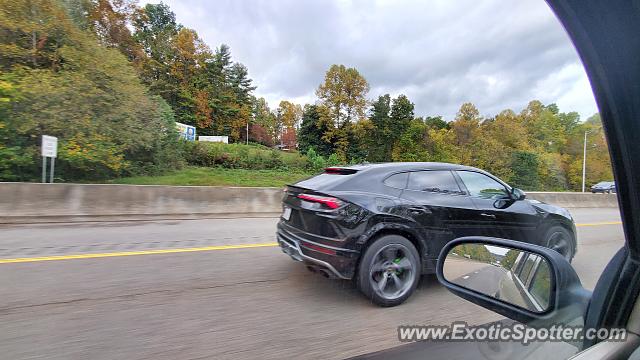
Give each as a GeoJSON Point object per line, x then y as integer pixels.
{"type": "Point", "coordinates": [540, 285]}
{"type": "Point", "coordinates": [398, 181]}
{"type": "Point", "coordinates": [482, 186]}
{"type": "Point", "coordinates": [433, 181]}
{"type": "Point", "coordinates": [525, 272]}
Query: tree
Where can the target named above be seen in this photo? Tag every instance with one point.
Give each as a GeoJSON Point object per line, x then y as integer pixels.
{"type": "Point", "coordinates": [510, 258]}
{"type": "Point", "coordinates": [288, 117]}
{"type": "Point", "coordinates": [229, 89]}
{"type": "Point", "coordinates": [401, 115]}
{"type": "Point", "coordinates": [264, 123]}
{"type": "Point", "coordinates": [33, 32]}
{"type": "Point", "coordinates": [241, 83]}
{"type": "Point", "coordinates": [14, 160]}
{"type": "Point", "coordinates": [441, 146]}
{"type": "Point", "coordinates": [436, 122]}
{"type": "Point", "coordinates": [155, 28]}
{"type": "Point", "coordinates": [109, 20]}
{"type": "Point", "coordinates": [192, 102]}
{"type": "Point", "coordinates": [378, 144]}
{"type": "Point", "coordinates": [390, 119]}
{"type": "Point", "coordinates": [312, 130]}
{"type": "Point", "coordinates": [412, 143]}
{"type": "Point", "coordinates": [86, 94]}
{"type": "Point", "coordinates": [544, 126]}
{"type": "Point", "coordinates": [344, 93]}
{"type": "Point", "coordinates": [598, 167]}
{"type": "Point", "coordinates": [290, 114]}
{"type": "Point", "coordinates": [289, 139]}
{"type": "Point", "coordinates": [466, 128]}
{"type": "Point", "coordinates": [525, 170]}
{"type": "Point", "coordinates": [466, 124]}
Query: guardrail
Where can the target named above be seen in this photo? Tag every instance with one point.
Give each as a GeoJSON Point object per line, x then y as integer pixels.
{"type": "Point", "coordinates": [40, 203]}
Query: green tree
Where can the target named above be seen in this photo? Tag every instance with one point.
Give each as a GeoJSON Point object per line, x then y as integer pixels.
{"type": "Point", "coordinates": [510, 258]}
{"type": "Point", "coordinates": [412, 143]}
{"type": "Point", "coordinates": [401, 115]}
{"type": "Point", "coordinates": [312, 130]}
{"type": "Point", "coordinates": [14, 161]}
{"type": "Point", "coordinates": [344, 92]}
{"type": "Point", "coordinates": [436, 122]}
{"type": "Point", "coordinates": [525, 170]}
{"type": "Point", "coordinates": [155, 28]}
{"type": "Point", "coordinates": [390, 120]}
{"type": "Point", "coordinates": [378, 144]}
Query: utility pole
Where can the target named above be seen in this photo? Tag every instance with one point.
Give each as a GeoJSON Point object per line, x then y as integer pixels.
{"type": "Point", "coordinates": [247, 132]}
{"type": "Point", "coordinates": [584, 161]}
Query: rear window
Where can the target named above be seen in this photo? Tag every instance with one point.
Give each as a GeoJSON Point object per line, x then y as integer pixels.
{"type": "Point", "coordinates": [323, 181]}
{"type": "Point", "coordinates": [398, 181]}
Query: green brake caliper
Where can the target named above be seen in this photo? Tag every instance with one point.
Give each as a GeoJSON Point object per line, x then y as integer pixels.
{"type": "Point", "coordinates": [397, 261]}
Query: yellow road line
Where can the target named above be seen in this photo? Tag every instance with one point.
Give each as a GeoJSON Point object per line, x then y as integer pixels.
{"type": "Point", "coordinates": [601, 223]}
{"type": "Point", "coordinates": [183, 250]}
{"type": "Point", "coordinates": [132, 253]}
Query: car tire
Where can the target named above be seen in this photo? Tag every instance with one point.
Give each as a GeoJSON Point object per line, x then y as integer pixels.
{"type": "Point", "coordinates": [389, 270]}
{"type": "Point", "coordinates": [560, 239]}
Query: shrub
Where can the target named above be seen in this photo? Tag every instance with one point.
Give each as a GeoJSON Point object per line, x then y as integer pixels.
{"type": "Point", "coordinates": [240, 156]}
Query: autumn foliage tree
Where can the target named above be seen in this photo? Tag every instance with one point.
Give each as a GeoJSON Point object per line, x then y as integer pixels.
{"type": "Point", "coordinates": [65, 83]}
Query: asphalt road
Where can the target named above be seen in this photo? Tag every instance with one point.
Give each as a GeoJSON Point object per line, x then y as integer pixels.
{"type": "Point", "coordinates": [159, 298]}
{"type": "Point", "coordinates": [485, 278]}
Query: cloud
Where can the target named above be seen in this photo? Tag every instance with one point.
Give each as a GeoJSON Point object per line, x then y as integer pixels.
{"type": "Point", "coordinates": [439, 53]}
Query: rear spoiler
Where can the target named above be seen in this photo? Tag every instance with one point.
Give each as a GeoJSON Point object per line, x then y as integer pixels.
{"type": "Point", "coordinates": [340, 171]}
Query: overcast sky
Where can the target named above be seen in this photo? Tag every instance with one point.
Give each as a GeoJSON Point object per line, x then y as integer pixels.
{"type": "Point", "coordinates": [496, 54]}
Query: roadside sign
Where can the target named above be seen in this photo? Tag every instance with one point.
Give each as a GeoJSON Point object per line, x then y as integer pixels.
{"type": "Point", "coordinates": [187, 132]}
{"type": "Point", "coordinates": [49, 146]}
{"type": "Point", "coordinates": [49, 149]}
{"type": "Point", "coordinates": [222, 139]}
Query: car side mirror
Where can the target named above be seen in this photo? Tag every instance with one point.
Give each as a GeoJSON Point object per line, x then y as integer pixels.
{"type": "Point", "coordinates": [527, 283]}
{"type": "Point", "coordinates": [517, 194]}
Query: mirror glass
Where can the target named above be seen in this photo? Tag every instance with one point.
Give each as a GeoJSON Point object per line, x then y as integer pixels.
{"type": "Point", "coordinates": [513, 276]}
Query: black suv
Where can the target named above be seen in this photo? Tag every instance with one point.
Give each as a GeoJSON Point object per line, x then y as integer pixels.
{"type": "Point", "coordinates": [383, 225]}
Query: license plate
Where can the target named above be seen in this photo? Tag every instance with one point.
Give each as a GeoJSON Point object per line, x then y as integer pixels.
{"type": "Point", "coordinates": [286, 214]}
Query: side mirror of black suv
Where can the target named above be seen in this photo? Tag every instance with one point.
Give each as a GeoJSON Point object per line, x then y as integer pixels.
{"type": "Point", "coordinates": [517, 194]}
{"type": "Point", "coordinates": [527, 283]}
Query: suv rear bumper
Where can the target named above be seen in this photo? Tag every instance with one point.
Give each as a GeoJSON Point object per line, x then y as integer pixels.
{"type": "Point", "coordinates": [340, 264]}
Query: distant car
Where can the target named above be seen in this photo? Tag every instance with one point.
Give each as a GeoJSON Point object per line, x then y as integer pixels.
{"type": "Point", "coordinates": [383, 225]}
{"type": "Point", "coordinates": [605, 187]}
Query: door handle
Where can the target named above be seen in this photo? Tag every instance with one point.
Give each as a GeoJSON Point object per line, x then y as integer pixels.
{"type": "Point", "coordinates": [488, 215]}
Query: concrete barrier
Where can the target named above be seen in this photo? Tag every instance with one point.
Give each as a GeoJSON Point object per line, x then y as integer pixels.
{"type": "Point", "coordinates": [575, 199]}
{"type": "Point", "coordinates": [37, 203]}
{"type": "Point", "coordinates": [30, 202]}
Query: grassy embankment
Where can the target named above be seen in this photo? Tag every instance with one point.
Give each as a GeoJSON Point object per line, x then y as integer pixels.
{"type": "Point", "coordinates": [217, 176]}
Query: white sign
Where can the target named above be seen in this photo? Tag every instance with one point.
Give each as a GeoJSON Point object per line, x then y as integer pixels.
{"type": "Point", "coordinates": [222, 139]}
{"type": "Point", "coordinates": [187, 132]}
{"type": "Point", "coordinates": [49, 146]}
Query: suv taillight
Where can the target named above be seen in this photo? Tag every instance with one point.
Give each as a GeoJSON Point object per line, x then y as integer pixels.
{"type": "Point", "coordinates": [330, 202]}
